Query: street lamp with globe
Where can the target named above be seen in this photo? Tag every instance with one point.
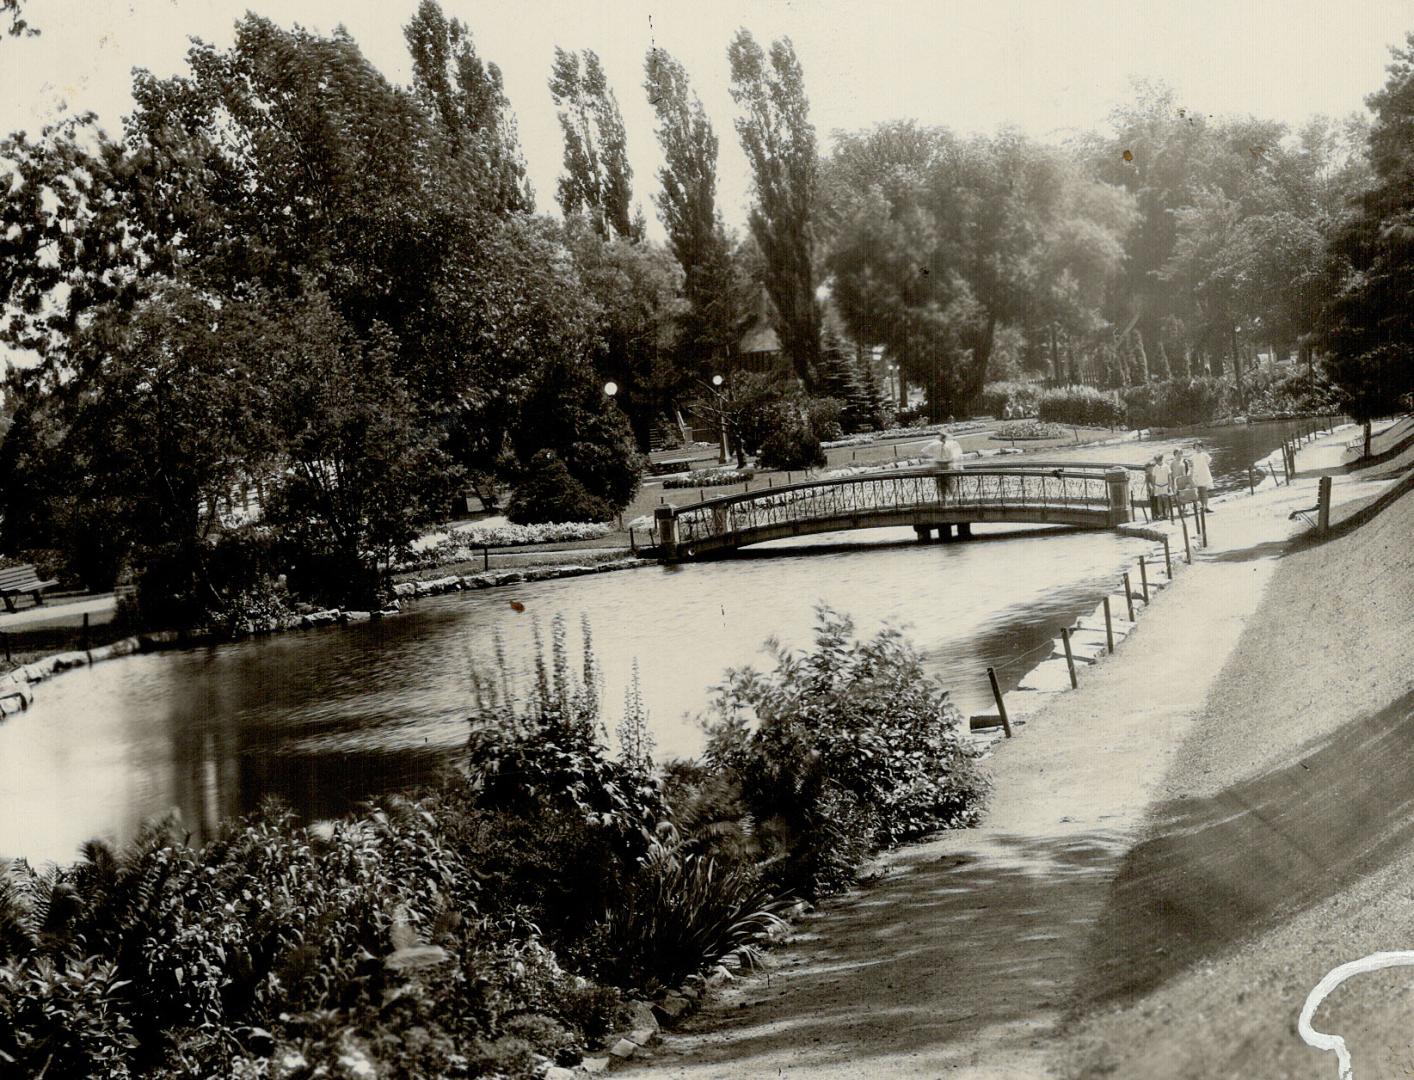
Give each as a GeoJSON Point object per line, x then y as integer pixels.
{"type": "Point", "coordinates": [722, 453]}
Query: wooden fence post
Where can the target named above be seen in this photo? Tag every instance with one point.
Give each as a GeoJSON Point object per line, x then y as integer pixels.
{"type": "Point", "coordinates": [1001, 705]}
{"type": "Point", "coordinates": [1144, 578]}
{"type": "Point", "coordinates": [485, 558]}
{"type": "Point", "coordinates": [1272, 469]}
{"type": "Point", "coordinates": [1128, 596]}
{"type": "Point", "coordinates": [1323, 516]}
{"type": "Point", "coordinates": [1109, 628]}
{"type": "Point", "coordinates": [1187, 547]}
{"type": "Point", "coordinates": [632, 543]}
{"type": "Point", "coordinates": [1069, 658]}
{"type": "Point", "coordinates": [1168, 560]}
{"type": "Point", "coordinates": [1251, 487]}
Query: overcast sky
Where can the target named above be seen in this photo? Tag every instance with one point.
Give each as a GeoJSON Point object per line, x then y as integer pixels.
{"type": "Point", "coordinates": [1048, 67]}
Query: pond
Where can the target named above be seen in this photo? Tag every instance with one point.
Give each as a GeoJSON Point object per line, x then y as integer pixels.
{"type": "Point", "coordinates": [326, 718]}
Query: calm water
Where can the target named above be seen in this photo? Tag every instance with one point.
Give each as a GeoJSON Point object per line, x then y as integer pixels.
{"type": "Point", "coordinates": [325, 718]}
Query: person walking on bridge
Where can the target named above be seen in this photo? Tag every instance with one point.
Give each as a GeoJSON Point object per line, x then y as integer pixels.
{"type": "Point", "coordinates": [946, 455]}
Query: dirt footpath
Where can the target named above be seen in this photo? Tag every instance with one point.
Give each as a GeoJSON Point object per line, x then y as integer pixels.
{"type": "Point", "coordinates": [963, 959]}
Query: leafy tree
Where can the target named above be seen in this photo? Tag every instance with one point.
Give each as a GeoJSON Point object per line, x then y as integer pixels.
{"type": "Point", "coordinates": [171, 421]}
{"type": "Point", "coordinates": [68, 239]}
{"type": "Point", "coordinates": [779, 141]}
{"type": "Point", "coordinates": [363, 476]}
{"type": "Point", "coordinates": [466, 95]}
{"type": "Point", "coordinates": [598, 180]}
{"type": "Point", "coordinates": [567, 412]}
{"type": "Point", "coordinates": [688, 208]}
{"type": "Point", "coordinates": [1367, 329]}
{"type": "Point", "coordinates": [634, 288]}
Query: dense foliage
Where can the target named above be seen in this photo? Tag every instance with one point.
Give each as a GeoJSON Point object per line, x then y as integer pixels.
{"type": "Point", "coordinates": [295, 286]}
{"type": "Point", "coordinates": [490, 924]}
{"type": "Point", "coordinates": [1081, 405]}
{"type": "Point", "coordinates": [839, 750]}
{"type": "Point", "coordinates": [1009, 400]}
{"type": "Point", "coordinates": [1367, 329]}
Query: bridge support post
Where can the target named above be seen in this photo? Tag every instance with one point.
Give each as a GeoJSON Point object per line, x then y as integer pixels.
{"type": "Point", "coordinates": [964, 530]}
{"type": "Point", "coordinates": [1117, 480]}
{"type": "Point", "coordinates": [924, 533]}
{"type": "Point", "coordinates": [667, 530]}
{"type": "Point", "coordinates": [945, 532]}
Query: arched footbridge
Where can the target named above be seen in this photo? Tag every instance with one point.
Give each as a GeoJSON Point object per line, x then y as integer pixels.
{"type": "Point", "coordinates": [1085, 496]}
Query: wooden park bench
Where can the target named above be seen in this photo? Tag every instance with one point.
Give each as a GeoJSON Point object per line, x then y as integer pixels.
{"type": "Point", "coordinates": [17, 580]}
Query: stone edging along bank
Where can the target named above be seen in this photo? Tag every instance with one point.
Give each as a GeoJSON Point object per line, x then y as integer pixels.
{"type": "Point", "coordinates": [17, 687]}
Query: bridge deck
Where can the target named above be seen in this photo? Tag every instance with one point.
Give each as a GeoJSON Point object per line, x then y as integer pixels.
{"type": "Point", "coordinates": [1081, 496]}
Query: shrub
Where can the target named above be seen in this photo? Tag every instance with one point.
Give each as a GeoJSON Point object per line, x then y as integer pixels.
{"type": "Point", "coordinates": [1081, 406]}
{"type": "Point", "coordinates": [824, 416]}
{"type": "Point", "coordinates": [1178, 402]}
{"type": "Point", "coordinates": [791, 445]}
{"type": "Point", "coordinates": [681, 912]}
{"type": "Point", "coordinates": [1009, 400]}
{"type": "Point", "coordinates": [548, 492]}
{"type": "Point", "coordinates": [841, 749]}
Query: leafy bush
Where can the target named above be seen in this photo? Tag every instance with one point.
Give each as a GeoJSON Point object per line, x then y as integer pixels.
{"type": "Point", "coordinates": [681, 910]}
{"type": "Point", "coordinates": [1178, 402]}
{"type": "Point", "coordinates": [793, 444]}
{"type": "Point", "coordinates": [1008, 400]}
{"type": "Point", "coordinates": [1278, 393]}
{"type": "Point", "coordinates": [710, 478]}
{"type": "Point", "coordinates": [840, 749]}
{"type": "Point", "coordinates": [1081, 406]}
{"type": "Point", "coordinates": [824, 414]}
{"type": "Point", "coordinates": [548, 493]}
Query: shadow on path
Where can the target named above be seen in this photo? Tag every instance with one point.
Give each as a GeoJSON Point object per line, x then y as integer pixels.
{"type": "Point", "coordinates": [1001, 921]}
{"type": "Point", "coordinates": [1217, 869]}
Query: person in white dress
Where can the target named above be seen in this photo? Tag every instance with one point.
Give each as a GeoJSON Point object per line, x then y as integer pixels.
{"type": "Point", "coordinates": [1202, 472]}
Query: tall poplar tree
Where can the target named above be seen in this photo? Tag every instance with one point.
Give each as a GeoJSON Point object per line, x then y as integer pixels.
{"type": "Point", "coordinates": [688, 209]}
{"type": "Point", "coordinates": [466, 96]}
{"type": "Point", "coordinates": [598, 180]}
{"type": "Point", "coordinates": [779, 142]}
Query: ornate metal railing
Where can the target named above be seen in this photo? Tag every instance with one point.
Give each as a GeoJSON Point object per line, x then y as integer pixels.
{"type": "Point", "coordinates": [901, 491]}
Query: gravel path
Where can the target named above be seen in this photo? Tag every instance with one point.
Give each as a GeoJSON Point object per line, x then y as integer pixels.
{"type": "Point", "coordinates": [965, 957]}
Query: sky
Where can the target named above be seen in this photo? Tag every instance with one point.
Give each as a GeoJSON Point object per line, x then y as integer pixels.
{"type": "Point", "coordinates": [1047, 67]}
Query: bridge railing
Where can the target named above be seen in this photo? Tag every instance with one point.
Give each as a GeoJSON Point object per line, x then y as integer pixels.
{"type": "Point", "coordinates": [896, 490]}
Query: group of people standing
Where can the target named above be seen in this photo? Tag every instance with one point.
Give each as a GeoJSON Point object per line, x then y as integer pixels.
{"type": "Point", "coordinates": [1180, 478]}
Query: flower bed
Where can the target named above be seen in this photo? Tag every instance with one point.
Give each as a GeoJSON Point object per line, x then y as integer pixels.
{"type": "Point", "coordinates": [961, 427]}
{"type": "Point", "coordinates": [710, 478]}
{"type": "Point", "coordinates": [464, 544]}
{"type": "Point", "coordinates": [1029, 429]}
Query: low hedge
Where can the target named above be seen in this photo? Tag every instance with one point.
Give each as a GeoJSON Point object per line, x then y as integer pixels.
{"type": "Point", "coordinates": [1082, 406]}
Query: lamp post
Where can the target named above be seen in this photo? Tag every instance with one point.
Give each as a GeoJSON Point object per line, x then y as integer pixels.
{"type": "Point", "coordinates": [722, 454]}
